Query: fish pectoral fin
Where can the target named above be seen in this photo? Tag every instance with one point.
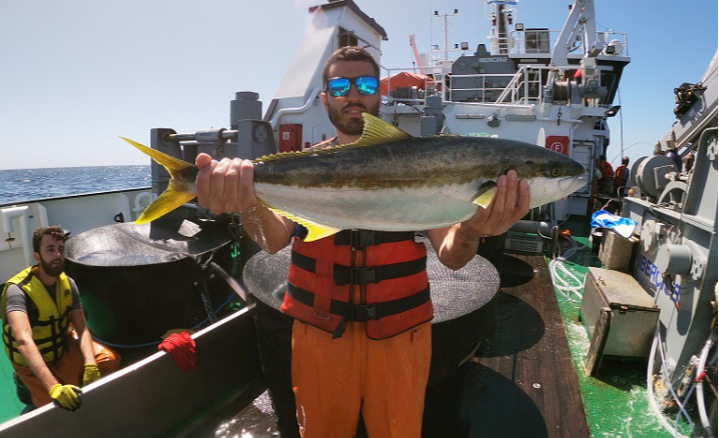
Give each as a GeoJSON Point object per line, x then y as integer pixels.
{"type": "Point", "coordinates": [165, 203]}
{"type": "Point", "coordinates": [485, 195]}
{"type": "Point", "coordinates": [315, 231]}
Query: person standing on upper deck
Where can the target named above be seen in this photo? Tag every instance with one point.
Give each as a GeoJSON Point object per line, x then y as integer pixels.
{"type": "Point", "coordinates": [359, 344]}
{"type": "Point", "coordinates": [606, 183]}
{"type": "Point", "coordinates": [621, 175]}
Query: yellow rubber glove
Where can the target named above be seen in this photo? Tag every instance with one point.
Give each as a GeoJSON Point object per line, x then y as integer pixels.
{"type": "Point", "coordinates": [91, 374]}
{"type": "Point", "coordinates": [66, 396]}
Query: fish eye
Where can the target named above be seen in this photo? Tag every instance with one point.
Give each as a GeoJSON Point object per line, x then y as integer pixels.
{"type": "Point", "coordinates": [556, 172]}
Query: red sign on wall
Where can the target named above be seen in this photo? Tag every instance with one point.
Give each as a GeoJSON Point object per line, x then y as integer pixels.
{"type": "Point", "coordinates": [558, 143]}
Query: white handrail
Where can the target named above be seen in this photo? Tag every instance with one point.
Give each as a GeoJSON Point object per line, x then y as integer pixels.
{"type": "Point", "coordinates": [299, 110]}
{"type": "Point", "coordinates": [20, 213]}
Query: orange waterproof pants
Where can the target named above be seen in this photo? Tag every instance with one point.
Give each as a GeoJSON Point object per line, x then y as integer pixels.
{"type": "Point", "coordinates": [69, 369]}
{"type": "Point", "coordinates": [334, 378]}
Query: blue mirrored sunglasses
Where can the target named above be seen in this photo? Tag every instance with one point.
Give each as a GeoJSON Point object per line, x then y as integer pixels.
{"type": "Point", "coordinates": [341, 86]}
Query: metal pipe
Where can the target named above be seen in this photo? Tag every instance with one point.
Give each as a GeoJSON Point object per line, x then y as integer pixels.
{"type": "Point", "coordinates": [225, 135]}
{"type": "Point", "coordinates": [299, 110]}
{"type": "Point", "coordinates": [536, 227]}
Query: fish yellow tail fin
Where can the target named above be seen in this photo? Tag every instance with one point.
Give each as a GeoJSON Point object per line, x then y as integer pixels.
{"type": "Point", "coordinates": [181, 188]}
{"type": "Point", "coordinates": [170, 163]}
{"type": "Point", "coordinates": [165, 203]}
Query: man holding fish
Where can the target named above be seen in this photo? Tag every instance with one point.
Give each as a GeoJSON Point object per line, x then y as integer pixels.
{"type": "Point", "coordinates": [360, 299]}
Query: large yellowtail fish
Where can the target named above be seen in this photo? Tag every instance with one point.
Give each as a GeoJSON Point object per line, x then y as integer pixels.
{"type": "Point", "coordinates": [387, 180]}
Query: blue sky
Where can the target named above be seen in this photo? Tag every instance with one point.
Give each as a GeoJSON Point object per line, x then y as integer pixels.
{"type": "Point", "coordinates": [76, 74]}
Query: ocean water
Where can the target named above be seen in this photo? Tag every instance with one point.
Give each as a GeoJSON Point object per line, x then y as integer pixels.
{"type": "Point", "coordinates": [31, 184]}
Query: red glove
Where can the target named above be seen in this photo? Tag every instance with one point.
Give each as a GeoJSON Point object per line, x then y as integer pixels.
{"type": "Point", "coordinates": [182, 348]}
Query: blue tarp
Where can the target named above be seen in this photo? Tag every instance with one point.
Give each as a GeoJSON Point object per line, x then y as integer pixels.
{"type": "Point", "coordinates": [620, 225]}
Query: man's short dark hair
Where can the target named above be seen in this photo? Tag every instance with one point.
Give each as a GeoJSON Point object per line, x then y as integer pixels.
{"type": "Point", "coordinates": [55, 232]}
{"type": "Point", "coordinates": [349, 53]}
{"type": "Point", "coordinates": [625, 160]}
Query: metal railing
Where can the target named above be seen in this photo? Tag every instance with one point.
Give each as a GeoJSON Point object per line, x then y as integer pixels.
{"type": "Point", "coordinates": [526, 87]}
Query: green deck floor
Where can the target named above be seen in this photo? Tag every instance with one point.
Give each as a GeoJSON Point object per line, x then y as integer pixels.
{"type": "Point", "coordinates": [616, 401]}
{"type": "Point", "coordinates": [10, 406]}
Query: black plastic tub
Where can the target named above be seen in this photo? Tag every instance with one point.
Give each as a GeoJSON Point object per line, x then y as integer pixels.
{"type": "Point", "coordinates": [137, 282]}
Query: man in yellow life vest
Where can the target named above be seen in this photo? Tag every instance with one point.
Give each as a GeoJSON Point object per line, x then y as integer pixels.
{"type": "Point", "coordinates": [40, 307]}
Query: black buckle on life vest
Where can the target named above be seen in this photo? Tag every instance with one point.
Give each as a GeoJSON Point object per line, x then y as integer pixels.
{"type": "Point", "coordinates": [344, 275]}
{"type": "Point", "coordinates": [362, 312]}
{"type": "Point", "coordinates": [363, 275]}
{"type": "Point", "coordinates": [362, 238]}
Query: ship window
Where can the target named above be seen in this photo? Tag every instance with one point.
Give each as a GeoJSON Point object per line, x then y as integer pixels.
{"type": "Point", "coordinates": [347, 38]}
{"type": "Point", "coordinates": [609, 80]}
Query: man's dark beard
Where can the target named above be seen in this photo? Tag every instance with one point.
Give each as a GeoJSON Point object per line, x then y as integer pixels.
{"type": "Point", "coordinates": [353, 126]}
{"type": "Point", "coordinates": [49, 269]}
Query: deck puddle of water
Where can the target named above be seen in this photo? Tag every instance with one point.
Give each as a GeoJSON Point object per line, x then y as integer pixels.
{"type": "Point", "coordinates": [108, 258]}
{"type": "Point", "coordinates": [255, 421]}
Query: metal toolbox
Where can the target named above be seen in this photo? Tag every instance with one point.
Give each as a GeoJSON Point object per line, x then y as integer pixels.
{"type": "Point", "coordinates": [624, 313]}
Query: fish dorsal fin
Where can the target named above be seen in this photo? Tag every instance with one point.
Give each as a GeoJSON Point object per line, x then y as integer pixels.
{"type": "Point", "coordinates": [377, 131]}
{"type": "Point", "coordinates": [315, 231]}
{"type": "Point", "coordinates": [279, 156]}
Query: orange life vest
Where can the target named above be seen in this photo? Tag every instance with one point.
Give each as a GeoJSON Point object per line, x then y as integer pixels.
{"type": "Point", "coordinates": [619, 176]}
{"type": "Point", "coordinates": [393, 281]}
{"type": "Point", "coordinates": [607, 171]}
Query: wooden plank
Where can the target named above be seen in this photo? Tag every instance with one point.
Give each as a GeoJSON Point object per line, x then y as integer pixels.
{"type": "Point", "coordinates": [529, 356]}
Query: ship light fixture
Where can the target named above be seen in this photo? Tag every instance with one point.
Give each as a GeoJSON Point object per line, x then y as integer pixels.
{"type": "Point", "coordinates": [612, 111]}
